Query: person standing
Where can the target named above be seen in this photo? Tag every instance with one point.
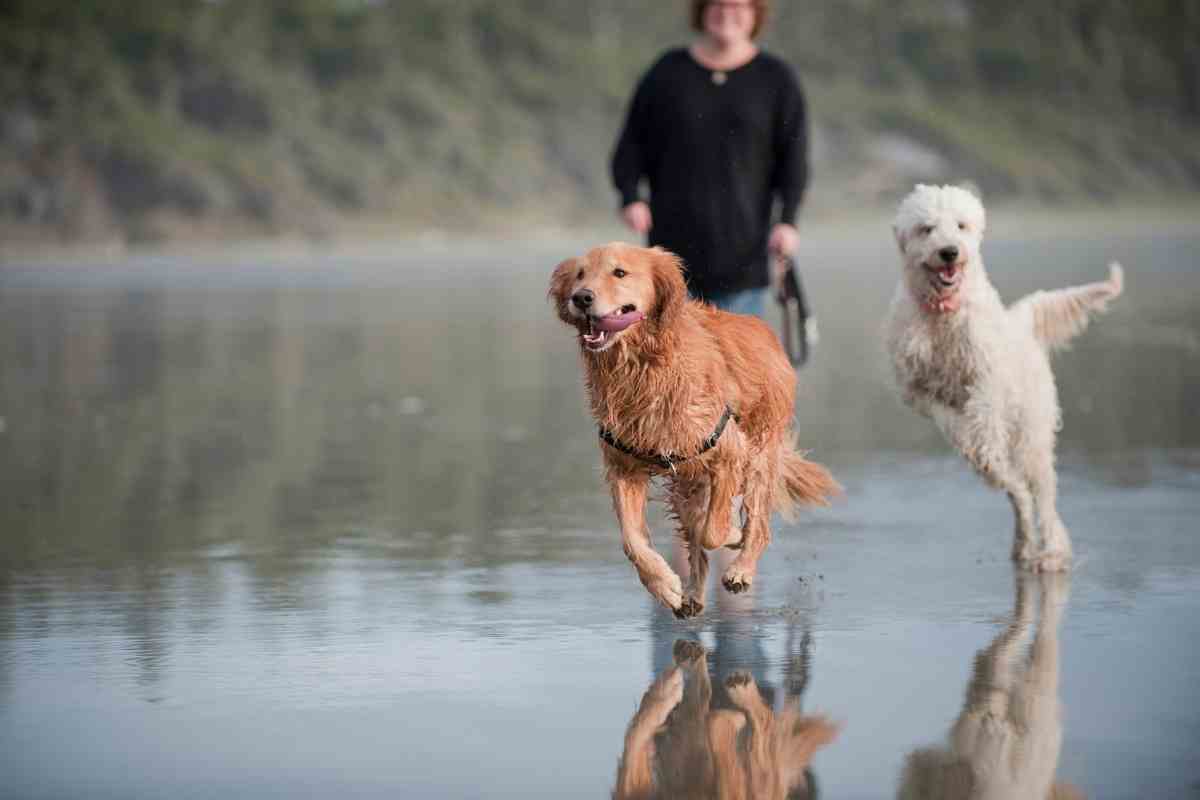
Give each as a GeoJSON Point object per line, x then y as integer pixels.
{"type": "Point", "coordinates": [718, 131]}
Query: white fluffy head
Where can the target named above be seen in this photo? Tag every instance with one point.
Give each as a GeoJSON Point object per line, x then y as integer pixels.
{"type": "Point", "coordinates": [939, 230]}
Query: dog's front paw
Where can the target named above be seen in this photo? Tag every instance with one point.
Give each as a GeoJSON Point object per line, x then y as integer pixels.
{"type": "Point", "coordinates": [737, 578]}
{"type": "Point", "coordinates": [691, 607]}
{"type": "Point", "coordinates": [666, 590]}
{"type": "Point", "coordinates": [1049, 561]}
{"type": "Point", "coordinates": [1023, 551]}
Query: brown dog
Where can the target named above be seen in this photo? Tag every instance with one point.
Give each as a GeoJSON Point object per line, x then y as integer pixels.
{"type": "Point", "coordinates": [699, 396]}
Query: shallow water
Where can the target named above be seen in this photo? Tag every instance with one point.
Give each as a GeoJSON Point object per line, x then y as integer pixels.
{"type": "Point", "coordinates": [337, 527]}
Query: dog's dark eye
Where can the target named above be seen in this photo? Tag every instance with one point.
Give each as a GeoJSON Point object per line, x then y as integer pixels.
{"type": "Point", "coordinates": [962, 226]}
{"type": "Point", "coordinates": [620, 273]}
{"type": "Point", "coordinates": [925, 230]}
{"type": "Point", "coordinates": [579, 277]}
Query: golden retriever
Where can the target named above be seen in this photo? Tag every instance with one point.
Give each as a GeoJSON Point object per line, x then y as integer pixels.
{"type": "Point", "coordinates": [698, 396]}
{"type": "Point", "coordinates": [678, 745]}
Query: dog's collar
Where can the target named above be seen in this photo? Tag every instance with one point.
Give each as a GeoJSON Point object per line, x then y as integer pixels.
{"type": "Point", "coordinates": [939, 309]}
{"type": "Point", "coordinates": [669, 460]}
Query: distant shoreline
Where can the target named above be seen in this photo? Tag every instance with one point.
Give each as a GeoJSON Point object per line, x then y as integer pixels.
{"type": "Point", "coordinates": [372, 239]}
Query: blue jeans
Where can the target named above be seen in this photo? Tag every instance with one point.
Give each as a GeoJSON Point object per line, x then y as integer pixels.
{"type": "Point", "coordinates": [743, 301]}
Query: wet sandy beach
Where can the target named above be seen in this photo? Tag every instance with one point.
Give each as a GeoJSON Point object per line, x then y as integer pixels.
{"type": "Point", "coordinates": [338, 528]}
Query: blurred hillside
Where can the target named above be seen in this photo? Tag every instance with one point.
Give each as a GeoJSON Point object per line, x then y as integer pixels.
{"type": "Point", "coordinates": [164, 119]}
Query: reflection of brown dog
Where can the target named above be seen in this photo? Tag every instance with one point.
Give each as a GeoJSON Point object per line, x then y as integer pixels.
{"type": "Point", "coordinates": [700, 396]}
{"type": "Point", "coordinates": [1006, 742]}
{"type": "Point", "coordinates": [677, 746]}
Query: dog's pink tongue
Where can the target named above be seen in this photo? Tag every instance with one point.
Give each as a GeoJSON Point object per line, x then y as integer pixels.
{"type": "Point", "coordinates": [618, 322]}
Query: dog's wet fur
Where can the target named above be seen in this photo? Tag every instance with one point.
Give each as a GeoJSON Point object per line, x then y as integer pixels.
{"type": "Point", "coordinates": [659, 378]}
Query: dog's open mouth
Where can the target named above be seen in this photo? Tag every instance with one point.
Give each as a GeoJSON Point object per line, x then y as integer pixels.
{"type": "Point", "coordinates": [946, 277]}
{"type": "Point", "coordinates": [601, 330]}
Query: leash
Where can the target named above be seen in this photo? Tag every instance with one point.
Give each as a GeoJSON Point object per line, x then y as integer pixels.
{"type": "Point", "coordinates": [669, 460]}
{"type": "Point", "coordinates": [790, 295]}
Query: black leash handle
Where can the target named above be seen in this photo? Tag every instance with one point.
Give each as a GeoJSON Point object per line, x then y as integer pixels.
{"type": "Point", "coordinates": [790, 294]}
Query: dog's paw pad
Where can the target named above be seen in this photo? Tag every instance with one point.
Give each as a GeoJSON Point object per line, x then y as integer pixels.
{"type": "Point", "coordinates": [738, 584]}
{"type": "Point", "coordinates": [690, 607]}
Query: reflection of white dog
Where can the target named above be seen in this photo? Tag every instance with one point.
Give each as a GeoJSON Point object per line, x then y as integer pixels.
{"type": "Point", "coordinates": [979, 370]}
{"type": "Point", "coordinates": [1006, 742]}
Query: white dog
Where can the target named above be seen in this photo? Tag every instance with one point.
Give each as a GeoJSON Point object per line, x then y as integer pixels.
{"type": "Point", "coordinates": [982, 371]}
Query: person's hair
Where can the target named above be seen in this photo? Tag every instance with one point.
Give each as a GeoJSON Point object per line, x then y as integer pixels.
{"type": "Point", "coordinates": [761, 7]}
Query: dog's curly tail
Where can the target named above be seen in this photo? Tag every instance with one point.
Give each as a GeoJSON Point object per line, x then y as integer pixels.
{"type": "Point", "coordinates": [802, 483]}
{"type": "Point", "coordinates": [1059, 316]}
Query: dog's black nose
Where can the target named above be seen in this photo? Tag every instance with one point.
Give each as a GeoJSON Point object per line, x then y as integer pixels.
{"type": "Point", "coordinates": [583, 298]}
{"type": "Point", "coordinates": [948, 254]}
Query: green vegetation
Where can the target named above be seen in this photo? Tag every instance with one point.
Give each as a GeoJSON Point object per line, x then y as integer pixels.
{"type": "Point", "coordinates": [165, 118]}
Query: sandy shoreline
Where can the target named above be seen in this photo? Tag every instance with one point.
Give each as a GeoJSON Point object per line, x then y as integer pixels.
{"type": "Point", "coordinates": [371, 240]}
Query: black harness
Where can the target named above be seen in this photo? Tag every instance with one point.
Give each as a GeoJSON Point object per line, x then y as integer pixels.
{"type": "Point", "coordinates": [669, 460]}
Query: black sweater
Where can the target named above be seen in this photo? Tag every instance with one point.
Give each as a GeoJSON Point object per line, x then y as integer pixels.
{"type": "Point", "coordinates": [716, 154]}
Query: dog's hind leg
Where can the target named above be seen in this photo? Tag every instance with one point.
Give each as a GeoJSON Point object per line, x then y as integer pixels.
{"type": "Point", "coordinates": [689, 503]}
{"type": "Point", "coordinates": [718, 528]}
{"type": "Point", "coordinates": [629, 500]}
{"type": "Point", "coordinates": [693, 602]}
{"type": "Point", "coordinates": [761, 478]}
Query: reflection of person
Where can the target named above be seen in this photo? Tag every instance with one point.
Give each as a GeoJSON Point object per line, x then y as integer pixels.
{"type": "Point", "coordinates": [682, 744]}
{"type": "Point", "coordinates": [719, 133]}
{"type": "Point", "coordinates": [1005, 744]}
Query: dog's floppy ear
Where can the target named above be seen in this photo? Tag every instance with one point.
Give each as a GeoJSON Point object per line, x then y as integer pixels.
{"type": "Point", "coordinates": [560, 287]}
{"type": "Point", "coordinates": [901, 235]}
{"type": "Point", "coordinates": [670, 291]}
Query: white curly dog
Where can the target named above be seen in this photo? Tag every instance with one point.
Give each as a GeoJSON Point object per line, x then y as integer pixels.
{"type": "Point", "coordinates": [982, 371]}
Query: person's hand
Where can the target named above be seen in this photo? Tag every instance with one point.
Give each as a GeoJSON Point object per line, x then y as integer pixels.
{"type": "Point", "coordinates": [784, 240]}
{"type": "Point", "coordinates": [782, 243]}
{"type": "Point", "coordinates": [637, 216]}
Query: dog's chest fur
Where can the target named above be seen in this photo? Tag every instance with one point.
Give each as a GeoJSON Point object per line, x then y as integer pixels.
{"type": "Point", "coordinates": [938, 362]}
{"type": "Point", "coordinates": [655, 407]}
{"type": "Point", "coordinates": [948, 359]}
